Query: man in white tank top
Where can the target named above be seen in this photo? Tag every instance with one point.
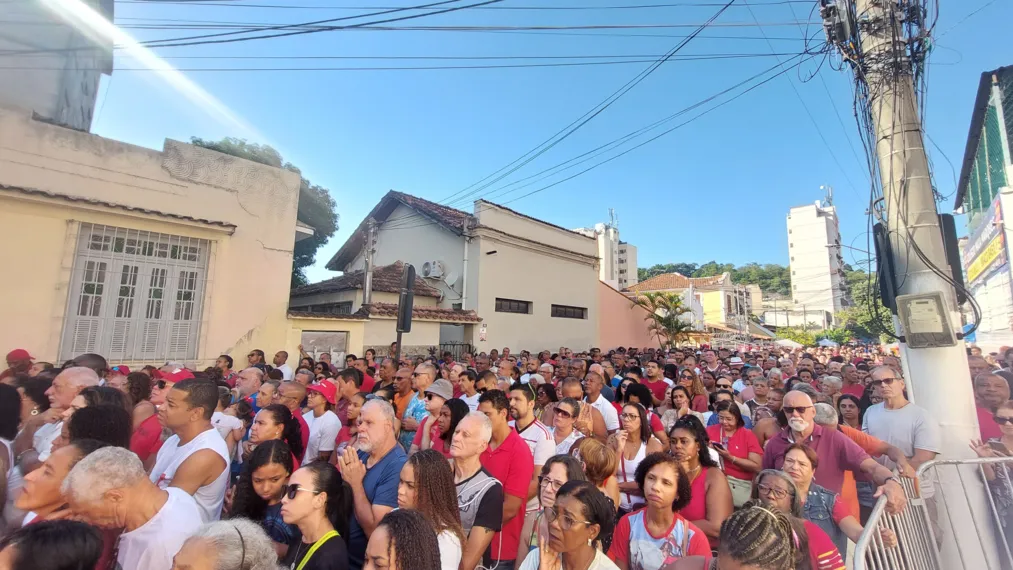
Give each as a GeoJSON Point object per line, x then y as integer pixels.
{"type": "Point", "coordinates": [196, 458]}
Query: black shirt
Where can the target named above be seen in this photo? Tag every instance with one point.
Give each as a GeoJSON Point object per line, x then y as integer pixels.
{"type": "Point", "coordinates": [332, 555]}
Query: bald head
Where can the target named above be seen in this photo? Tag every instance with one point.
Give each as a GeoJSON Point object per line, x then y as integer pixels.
{"type": "Point", "coordinates": [68, 384]}
{"type": "Point", "coordinates": [291, 395]}
{"type": "Point", "coordinates": [797, 398]}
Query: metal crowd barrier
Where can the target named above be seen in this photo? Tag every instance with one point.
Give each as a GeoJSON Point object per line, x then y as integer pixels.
{"type": "Point", "coordinates": [918, 530]}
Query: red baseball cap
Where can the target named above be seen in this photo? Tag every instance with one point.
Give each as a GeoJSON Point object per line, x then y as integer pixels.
{"type": "Point", "coordinates": [121, 369]}
{"type": "Point", "coordinates": [326, 388]}
{"type": "Point", "coordinates": [19, 354]}
{"type": "Point", "coordinates": [178, 376]}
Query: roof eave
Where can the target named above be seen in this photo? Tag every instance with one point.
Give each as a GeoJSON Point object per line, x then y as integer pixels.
{"type": "Point", "coordinates": [974, 132]}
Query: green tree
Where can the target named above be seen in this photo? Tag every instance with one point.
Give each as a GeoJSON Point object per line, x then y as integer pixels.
{"type": "Point", "coordinates": [665, 310]}
{"type": "Point", "coordinates": [316, 207]}
{"type": "Point", "coordinates": [798, 334]}
{"type": "Point", "coordinates": [771, 277]}
{"type": "Point", "coordinates": [866, 317]}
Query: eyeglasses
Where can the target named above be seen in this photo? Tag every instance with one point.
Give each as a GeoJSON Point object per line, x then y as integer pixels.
{"type": "Point", "coordinates": [566, 522]}
{"type": "Point", "coordinates": [1002, 420]}
{"type": "Point", "coordinates": [789, 410]}
{"type": "Point", "coordinates": [629, 417]}
{"type": "Point", "coordinates": [292, 490]}
{"type": "Point", "coordinates": [564, 413]}
{"type": "Point", "coordinates": [887, 381]}
{"type": "Point", "coordinates": [768, 491]}
{"type": "Point", "coordinates": [686, 376]}
{"type": "Point", "coordinates": [724, 386]}
{"type": "Point", "coordinates": [545, 481]}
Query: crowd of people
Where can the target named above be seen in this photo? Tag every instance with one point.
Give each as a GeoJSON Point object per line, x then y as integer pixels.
{"type": "Point", "coordinates": [656, 459]}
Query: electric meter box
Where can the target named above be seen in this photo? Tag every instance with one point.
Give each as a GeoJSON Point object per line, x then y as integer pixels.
{"type": "Point", "coordinates": [925, 320]}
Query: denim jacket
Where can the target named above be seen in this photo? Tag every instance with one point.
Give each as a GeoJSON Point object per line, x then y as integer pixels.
{"type": "Point", "coordinates": [819, 510]}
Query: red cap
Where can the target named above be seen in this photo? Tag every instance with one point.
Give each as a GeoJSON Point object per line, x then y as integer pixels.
{"type": "Point", "coordinates": [121, 369]}
{"type": "Point", "coordinates": [325, 388]}
{"type": "Point", "coordinates": [18, 354]}
{"type": "Point", "coordinates": [179, 376]}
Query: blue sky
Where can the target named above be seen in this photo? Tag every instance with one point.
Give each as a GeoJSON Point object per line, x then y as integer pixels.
{"type": "Point", "coordinates": [717, 188]}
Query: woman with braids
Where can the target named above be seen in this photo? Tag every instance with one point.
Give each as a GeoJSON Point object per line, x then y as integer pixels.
{"type": "Point", "coordinates": [754, 538]}
{"type": "Point", "coordinates": [275, 422]}
{"type": "Point", "coordinates": [318, 501]}
{"type": "Point", "coordinates": [258, 493]}
{"type": "Point", "coordinates": [710, 497]}
{"type": "Point", "coordinates": [427, 486]}
{"type": "Point", "coordinates": [657, 535]}
{"type": "Point", "coordinates": [404, 540]}
{"type": "Point", "coordinates": [578, 522]}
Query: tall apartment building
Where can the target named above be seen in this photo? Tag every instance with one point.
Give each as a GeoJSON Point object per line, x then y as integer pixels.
{"type": "Point", "coordinates": [617, 260]}
{"type": "Point", "coordinates": [817, 268]}
{"type": "Point", "coordinates": [52, 66]}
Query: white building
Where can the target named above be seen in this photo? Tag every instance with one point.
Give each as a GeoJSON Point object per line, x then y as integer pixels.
{"type": "Point", "coordinates": [531, 283]}
{"type": "Point", "coordinates": [817, 268]}
{"type": "Point", "coordinates": [617, 259]}
{"type": "Point", "coordinates": [50, 66]}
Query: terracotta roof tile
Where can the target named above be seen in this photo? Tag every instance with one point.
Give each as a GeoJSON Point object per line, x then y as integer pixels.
{"type": "Point", "coordinates": [452, 218]}
{"type": "Point", "coordinates": [309, 315]}
{"type": "Point", "coordinates": [386, 279]}
{"type": "Point", "coordinates": [676, 281]}
{"type": "Point", "coordinates": [427, 313]}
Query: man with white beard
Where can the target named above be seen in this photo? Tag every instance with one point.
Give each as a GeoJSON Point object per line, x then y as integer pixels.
{"type": "Point", "coordinates": [836, 452]}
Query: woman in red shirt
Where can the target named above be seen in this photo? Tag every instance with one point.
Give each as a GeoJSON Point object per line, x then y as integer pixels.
{"type": "Point", "coordinates": [740, 451]}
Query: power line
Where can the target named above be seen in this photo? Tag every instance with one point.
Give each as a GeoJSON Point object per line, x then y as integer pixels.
{"type": "Point", "coordinates": [567, 131]}
{"type": "Point", "coordinates": [221, 4]}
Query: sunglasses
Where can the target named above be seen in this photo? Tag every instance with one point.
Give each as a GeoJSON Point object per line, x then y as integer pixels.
{"type": "Point", "coordinates": [430, 396]}
{"type": "Point", "coordinates": [160, 384]}
{"type": "Point", "coordinates": [1002, 420]}
{"type": "Point", "coordinates": [686, 377]}
{"type": "Point", "coordinates": [564, 413]}
{"type": "Point", "coordinates": [724, 386]}
{"type": "Point", "coordinates": [886, 381]}
{"type": "Point", "coordinates": [292, 490]}
{"type": "Point", "coordinates": [789, 410]}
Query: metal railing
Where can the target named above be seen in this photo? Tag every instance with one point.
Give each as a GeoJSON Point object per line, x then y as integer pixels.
{"type": "Point", "coordinates": [919, 535]}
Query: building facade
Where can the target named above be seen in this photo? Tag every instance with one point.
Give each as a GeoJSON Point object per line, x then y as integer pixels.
{"type": "Point", "coordinates": [617, 259]}
{"type": "Point", "coordinates": [141, 255]}
{"type": "Point", "coordinates": [533, 284]}
{"type": "Point", "coordinates": [817, 267]}
{"type": "Point", "coordinates": [984, 193]}
{"type": "Point", "coordinates": [51, 67]}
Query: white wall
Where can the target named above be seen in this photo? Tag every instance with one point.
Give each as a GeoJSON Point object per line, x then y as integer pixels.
{"type": "Point", "coordinates": [628, 262]}
{"type": "Point", "coordinates": [816, 283]}
{"type": "Point", "coordinates": [417, 242]}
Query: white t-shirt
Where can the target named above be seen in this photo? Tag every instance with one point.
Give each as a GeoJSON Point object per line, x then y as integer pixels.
{"type": "Point", "coordinates": [225, 424]}
{"type": "Point", "coordinates": [450, 550]}
{"type": "Point", "coordinates": [608, 412]}
{"type": "Point", "coordinates": [323, 431]}
{"type": "Point", "coordinates": [472, 401]}
{"type": "Point", "coordinates": [209, 497]}
{"type": "Point", "coordinates": [542, 446]}
{"type": "Point", "coordinates": [908, 428]}
{"type": "Point", "coordinates": [153, 544]}
{"type": "Point", "coordinates": [600, 562]}
{"type": "Point", "coordinates": [286, 371]}
{"type": "Point", "coordinates": [44, 437]}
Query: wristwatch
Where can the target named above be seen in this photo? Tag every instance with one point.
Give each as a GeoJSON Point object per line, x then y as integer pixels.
{"type": "Point", "coordinates": [893, 478]}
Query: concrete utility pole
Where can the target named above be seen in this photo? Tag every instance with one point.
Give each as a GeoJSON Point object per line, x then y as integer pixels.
{"type": "Point", "coordinates": [937, 378]}
{"type": "Point", "coordinates": [367, 283]}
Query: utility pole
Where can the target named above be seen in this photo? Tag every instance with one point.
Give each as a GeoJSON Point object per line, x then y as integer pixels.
{"type": "Point", "coordinates": [367, 284]}
{"type": "Point", "coordinates": [874, 37]}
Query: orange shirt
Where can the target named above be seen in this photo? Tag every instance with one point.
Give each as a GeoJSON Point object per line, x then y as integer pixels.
{"type": "Point", "coordinates": [871, 445]}
{"type": "Point", "coordinates": [401, 403]}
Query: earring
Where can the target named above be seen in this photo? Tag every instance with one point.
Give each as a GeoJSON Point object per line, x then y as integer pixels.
{"type": "Point", "coordinates": [589, 542]}
{"type": "Point", "coordinates": [35, 411]}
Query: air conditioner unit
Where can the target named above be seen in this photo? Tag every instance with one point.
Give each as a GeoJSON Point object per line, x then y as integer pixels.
{"type": "Point", "coordinates": [432, 269]}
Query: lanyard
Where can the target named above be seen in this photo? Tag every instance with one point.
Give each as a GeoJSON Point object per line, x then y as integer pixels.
{"type": "Point", "coordinates": [314, 548]}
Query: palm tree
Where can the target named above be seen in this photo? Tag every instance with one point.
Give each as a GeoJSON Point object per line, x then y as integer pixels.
{"type": "Point", "coordinates": [665, 310]}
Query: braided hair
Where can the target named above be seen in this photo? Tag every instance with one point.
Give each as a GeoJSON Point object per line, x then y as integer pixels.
{"type": "Point", "coordinates": [761, 537]}
{"type": "Point", "coordinates": [436, 496]}
{"type": "Point", "coordinates": [411, 539]}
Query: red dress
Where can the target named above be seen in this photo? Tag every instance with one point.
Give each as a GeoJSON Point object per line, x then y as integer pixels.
{"type": "Point", "coordinates": [696, 510]}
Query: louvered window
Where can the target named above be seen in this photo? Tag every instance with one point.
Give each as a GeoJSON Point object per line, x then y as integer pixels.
{"type": "Point", "coordinates": [135, 295]}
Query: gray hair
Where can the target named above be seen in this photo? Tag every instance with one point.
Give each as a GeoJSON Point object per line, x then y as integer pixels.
{"type": "Point", "coordinates": [429, 369]}
{"type": "Point", "coordinates": [304, 372]}
{"type": "Point", "coordinates": [239, 544]}
{"type": "Point", "coordinates": [80, 377]}
{"type": "Point", "coordinates": [834, 381]}
{"type": "Point", "coordinates": [806, 389]}
{"type": "Point", "coordinates": [796, 501]}
{"type": "Point", "coordinates": [826, 415]}
{"type": "Point", "coordinates": [574, 403]}
{"type": "Point", "coordinates": [536, 379]}
{"type": "Point", "coordinates": [484, 424]}
{"type": "Point", "coordinates": [258, 372]}
{"type": "Point", "coordinates": [777, 371]}
{"type": "Point", "coordinates": [101, 471]}
{"type": "Point", "coordinates": [385, 408]}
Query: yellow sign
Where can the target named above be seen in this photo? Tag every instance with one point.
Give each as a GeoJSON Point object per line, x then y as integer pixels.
{"type": "Point", "coordinates": [990, 253]}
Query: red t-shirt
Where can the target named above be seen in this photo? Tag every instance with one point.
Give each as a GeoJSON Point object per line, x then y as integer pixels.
{"type": "Point", "coordinates": [513, 466]}
{"type": "Point", "coordinates": [700, 403]}
{"type": "Point", "coordinates": [823, 555]}
{"type": "Point", "coordinates": [367, 383]}
{"type": "Point", "coordinates": [147, 438]}
{"type": "Point", "coordinates": [741, 444]}
{"type": "Point", "coordinates": [856, 390]}
{"type": "Point", "coordinates": [987, 426]}
{"type": "Point", "coordinates": [655, 421]}
{"type": "Point", "coordinates": [657, 388]}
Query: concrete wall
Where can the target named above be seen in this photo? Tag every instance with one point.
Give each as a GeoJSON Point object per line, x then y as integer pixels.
{"type": "Point", "coordinates": [416, 242]}
{"type": "Point", "coordinates": [383, 331]}
{"type": "Point", "coordinates": [627, 263]}
{"type": "Point", "coordinates": [60, 79]}
{"type": "Point", "coordinates": [555, 267]}
{"type": "Point", "coordinates": [813, 237]}
{"type": "Point", "coordinates": [354, 329]}
{"type": "Point", "coordinates": [246, 297]}
{"type": "Point", "coordinates": [620, 322]}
